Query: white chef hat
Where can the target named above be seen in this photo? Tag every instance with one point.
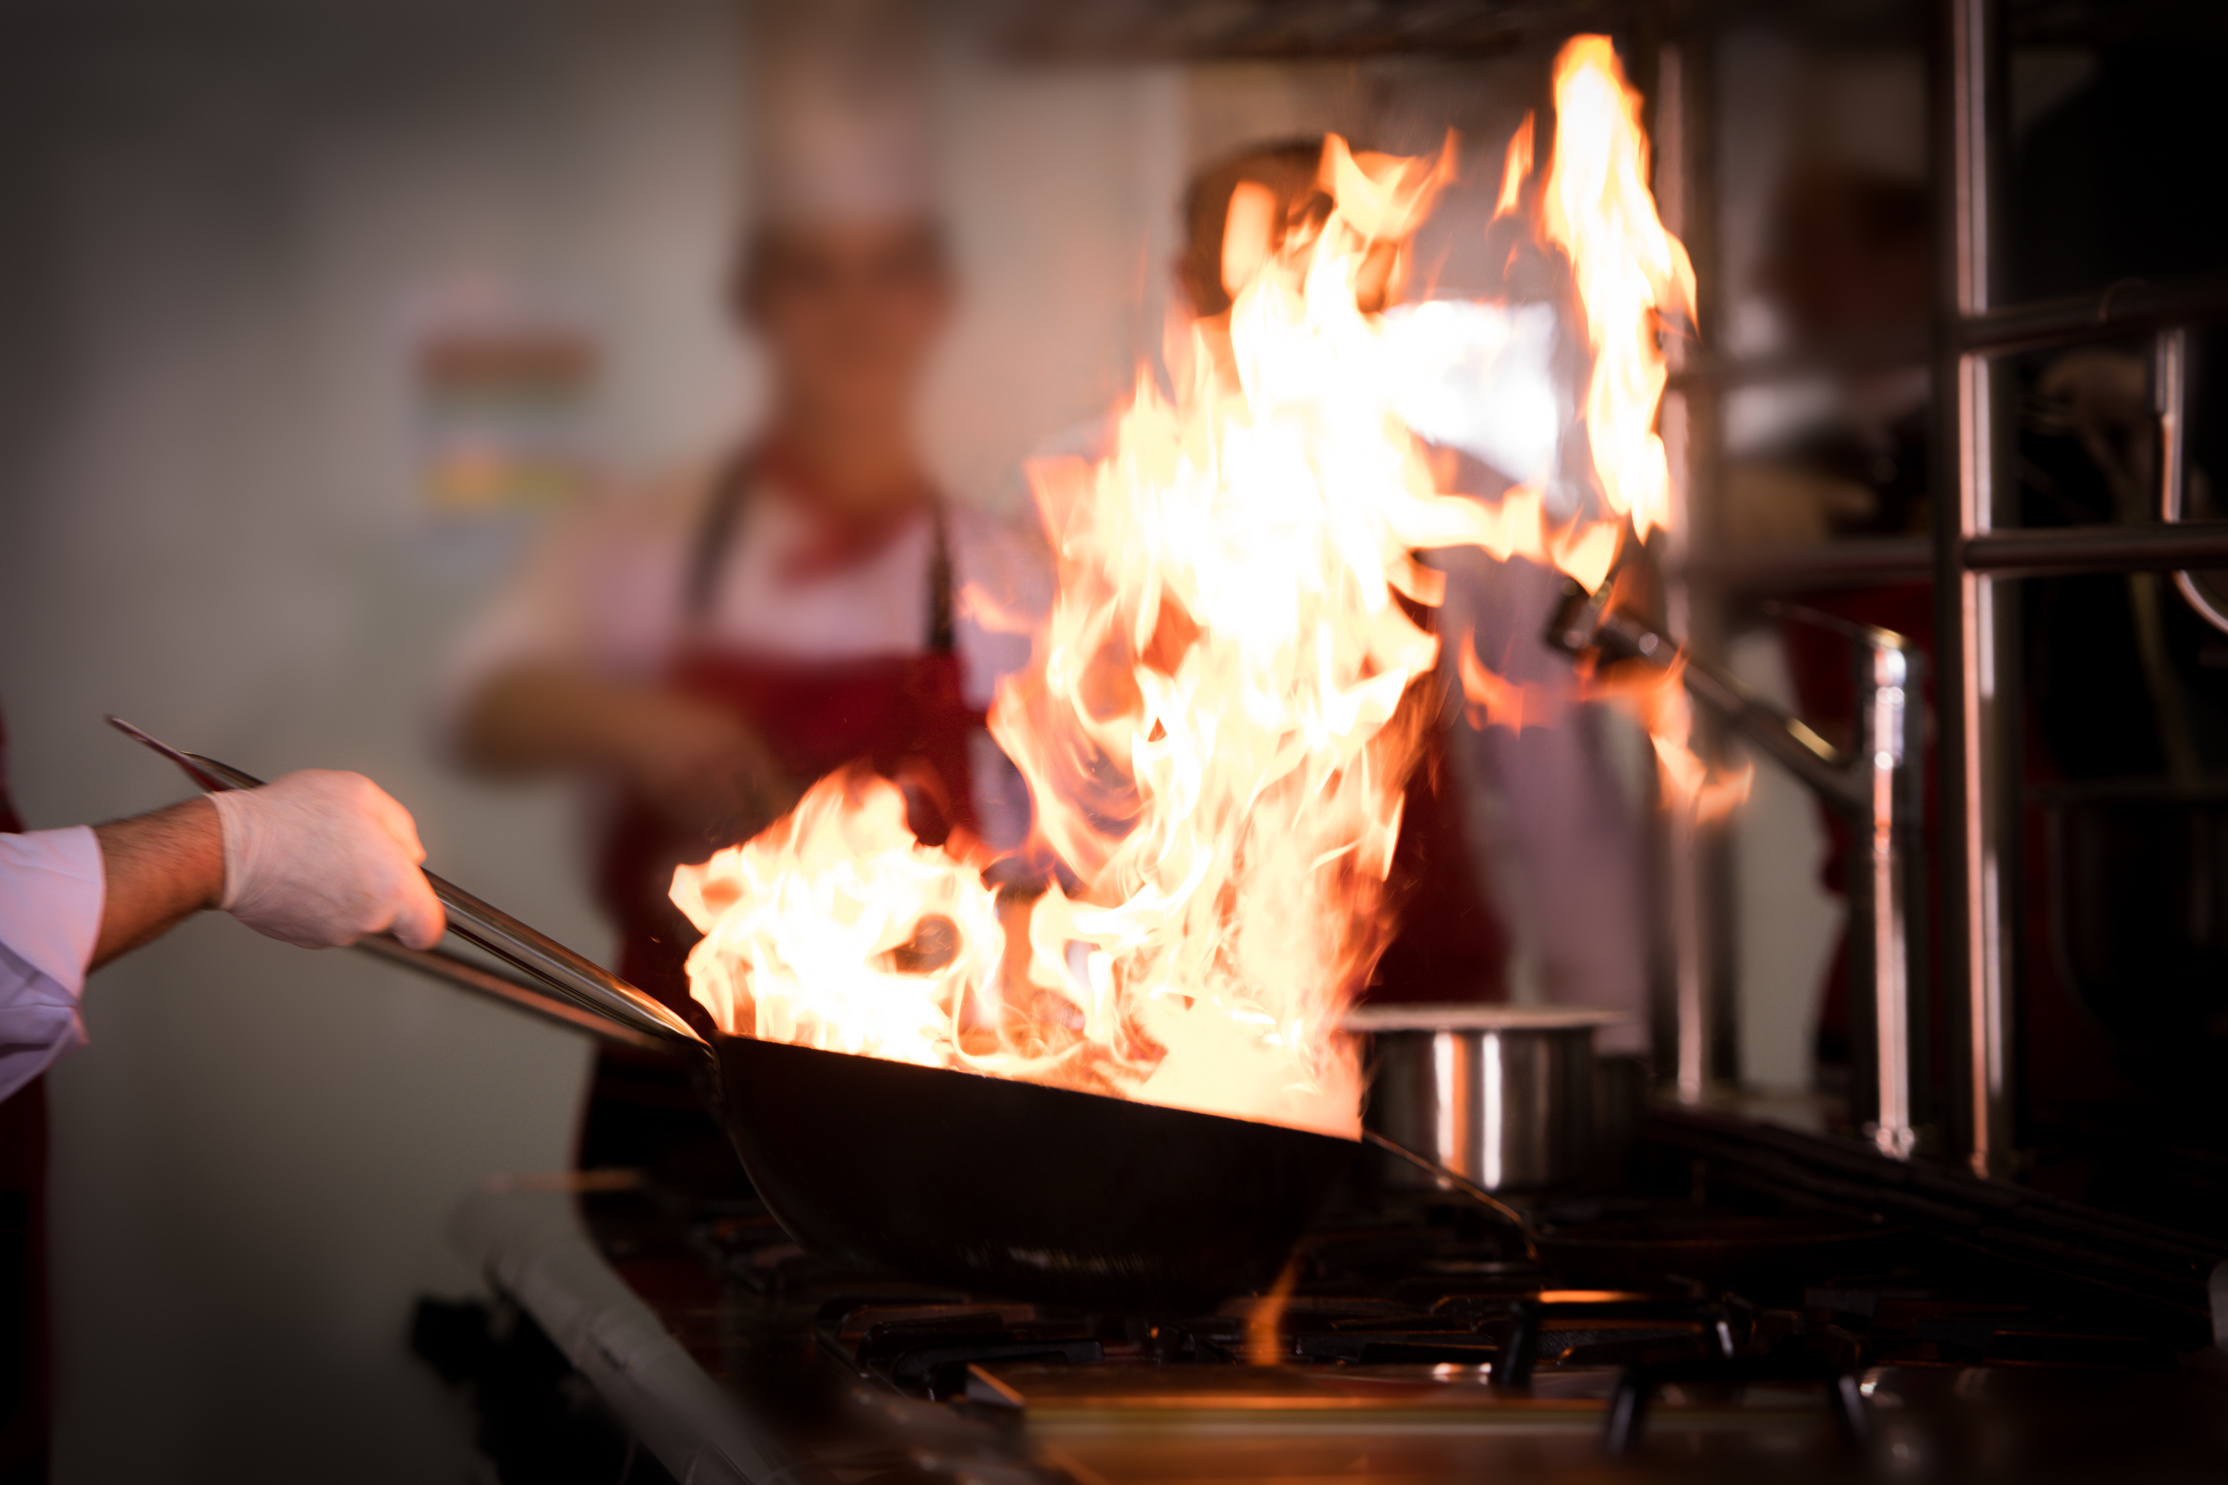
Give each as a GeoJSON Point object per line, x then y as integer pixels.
{"type": "Point", "coordinates": [842, 112]}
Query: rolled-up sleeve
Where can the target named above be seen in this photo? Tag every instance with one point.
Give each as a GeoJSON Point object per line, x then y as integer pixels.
{"type": "Point", "coordinates": [52, 888]}
{"type": "Point", "coordinates": [600, 590]}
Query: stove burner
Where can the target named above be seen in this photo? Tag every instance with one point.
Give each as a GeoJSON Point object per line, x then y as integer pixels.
{"type": "Point", "coordinates": [1706, 1296]}
{"type": "Point", "coordinates": [929, 1349]}
{"type": "Point", "coordinates": [1416, 1335]}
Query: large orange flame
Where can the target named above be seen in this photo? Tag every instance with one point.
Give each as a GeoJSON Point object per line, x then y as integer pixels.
{"type": "Point", "coordinates": [1634, 282]}
{"type": "Point", "coordinates": [1631, 273]}
{"type": "Point", "coordinates": [1217, 723]}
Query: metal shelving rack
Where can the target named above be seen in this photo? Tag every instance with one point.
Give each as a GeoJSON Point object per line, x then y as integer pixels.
{"type": "Point", "coordinates": [1976, 560]}
{"type": "Point", "coordinates": [1976, 556]}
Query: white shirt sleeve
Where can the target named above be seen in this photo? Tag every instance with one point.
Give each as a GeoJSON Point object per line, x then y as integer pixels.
{"type": "Point", "coordinates": [52, 891]}
{"type": "Point", "coordinates": [600, 590]}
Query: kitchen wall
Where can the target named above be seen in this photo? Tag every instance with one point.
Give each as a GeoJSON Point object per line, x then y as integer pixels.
{"type": "Point", "coordinates": [209, 523]}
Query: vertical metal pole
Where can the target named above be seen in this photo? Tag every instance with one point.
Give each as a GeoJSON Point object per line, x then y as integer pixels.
{"type": "Point", "coordinates": [2170, 399]}
{"type": "Point", "coordinates": [2169, 396]}
{"type": "Point", "coordinates": [1688, 954]}
{"type": "Point", "coordinates": [1885, 735]}
{"type": "Point", "coordinates": [1683, 857]}
{"type": "Point", "coordinates": [1706, 445]}
{"type": "Point", "coordinates": [2170, 393]}
{"type": "Point", "coordinates": [1705, 1048]}
{"type": "Point", "coordinates": [1974, 823]}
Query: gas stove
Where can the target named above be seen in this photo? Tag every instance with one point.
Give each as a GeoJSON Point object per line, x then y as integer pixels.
{"type": "Point", "coordinates": [1745, 1305]}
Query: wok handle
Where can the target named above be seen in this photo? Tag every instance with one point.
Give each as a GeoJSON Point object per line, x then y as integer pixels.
{"type": "Point", "coordinates": [579, 980]}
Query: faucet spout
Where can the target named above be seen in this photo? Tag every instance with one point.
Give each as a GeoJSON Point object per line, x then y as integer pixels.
{"type": "Point", "coordinates": [1875, 783]}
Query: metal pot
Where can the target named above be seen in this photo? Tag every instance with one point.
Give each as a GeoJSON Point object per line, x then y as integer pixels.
{"type": "Point", "coordinates": [1504, 1096]}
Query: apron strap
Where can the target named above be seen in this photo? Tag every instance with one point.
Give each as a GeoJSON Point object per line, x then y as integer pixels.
{"type": "Point", "coordinates": [942, 635]}
{"type": "Point", "coordinates": [730, 487]}
{"type": "Point", "coordinates": [716, 534]}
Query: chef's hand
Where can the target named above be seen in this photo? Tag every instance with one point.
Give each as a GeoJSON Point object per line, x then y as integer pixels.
{"type": "Point", "coordinates": [320, 858]}
{"type": "Point", "coordinates": [698, 765]}
{"type": "Point", "coordinates": [702, 768]}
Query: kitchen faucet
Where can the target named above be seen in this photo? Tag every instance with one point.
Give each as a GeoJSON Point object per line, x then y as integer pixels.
{"type": "Point", "coordinates": [1875, 783]}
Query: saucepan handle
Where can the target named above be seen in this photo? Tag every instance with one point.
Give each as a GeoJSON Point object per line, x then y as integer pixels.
{"type": "Point", "coordinates": [579, 980]}
{"type": "Point", "coordinates": [1456, 1181]}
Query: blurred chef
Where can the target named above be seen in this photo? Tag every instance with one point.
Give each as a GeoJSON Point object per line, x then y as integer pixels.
{"type": "Point", "coordinates": [706, 648]}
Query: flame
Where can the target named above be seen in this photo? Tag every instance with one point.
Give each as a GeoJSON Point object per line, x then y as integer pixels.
{"type": "Point", "coordinates": [1629, 270]}
{"type": "Point", "coordinates": [1249, 234]}
{"type": "Point", "coordinates": [841, 922]}
{"type": "Point", "coordinates": [1514, 169]}
{"type": "Point", "coordinates": [1656, 696]}
{"type": "Point", "coordinates": [1265, 1318]}
{"type": "Point", "coordinates": [1631, 275]}
{"type": "Point", "coordinates": [1228, 694]}
{"type": "Point", "coordinates": [1660, 700]}
{"type": "Point", "coordinates": [1496, 701]}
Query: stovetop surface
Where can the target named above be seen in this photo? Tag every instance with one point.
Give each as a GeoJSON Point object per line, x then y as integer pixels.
{"type": "Point", "coordinates": [1416, 1340]}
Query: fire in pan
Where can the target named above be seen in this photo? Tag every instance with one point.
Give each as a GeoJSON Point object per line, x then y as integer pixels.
{"type": "Point", "coordinates": [953, 1177]}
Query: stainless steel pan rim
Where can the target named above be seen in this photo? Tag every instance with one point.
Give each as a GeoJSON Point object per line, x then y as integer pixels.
{"type": "Point", "coordinates": [1434, 1017]}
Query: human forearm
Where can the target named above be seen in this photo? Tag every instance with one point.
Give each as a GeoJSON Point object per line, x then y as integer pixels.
{"type": "Point", "coordinates": [696, 761]}
{"type": "Point", "coordinates": [161, 867]}
{"type": "Point", "coordinates": [316, 859]}
{"type": "Point", "coordinates": [534, 717]}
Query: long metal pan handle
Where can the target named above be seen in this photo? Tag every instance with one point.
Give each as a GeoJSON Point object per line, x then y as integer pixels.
{"type": "Point", "coordinates": [1456, 1181]}
{"type": "Point", "coordinates": [582, 981]}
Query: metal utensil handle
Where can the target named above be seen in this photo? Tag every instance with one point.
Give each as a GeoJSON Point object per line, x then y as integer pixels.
{"type": "Point", "coordinates": [580, 980]}
{"type": "Point", "coordinates": [1455, 1181]}
{"type": "Point", "coordinates": [2170, 394]}
{"type": "Point", "coordinates": [517, 993]}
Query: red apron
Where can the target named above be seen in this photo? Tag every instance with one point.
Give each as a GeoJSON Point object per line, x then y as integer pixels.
{"type": "Point", "coordinates": [1451, 945]}
{"type": "Point", "coordinates": [905, 715]}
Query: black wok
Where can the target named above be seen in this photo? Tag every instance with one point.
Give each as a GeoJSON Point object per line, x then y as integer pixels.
{"type": "Point", "coordinates": [1016, 1188]}
{"type": "Point", "coordinates": [952, 1178]}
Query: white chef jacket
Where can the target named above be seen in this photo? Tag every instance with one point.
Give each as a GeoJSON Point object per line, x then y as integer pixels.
{"type": "Point", "coordinates": [52, 891]}
{"type": "Point", "coordinates": [606, 592]}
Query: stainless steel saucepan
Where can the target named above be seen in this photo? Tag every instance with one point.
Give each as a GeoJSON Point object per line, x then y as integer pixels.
{"type": "Point", "coordinates": [1505, 1096]}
